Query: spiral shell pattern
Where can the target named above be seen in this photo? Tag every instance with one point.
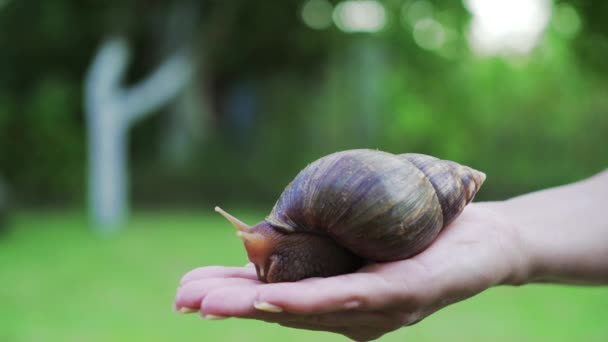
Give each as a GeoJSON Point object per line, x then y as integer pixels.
{"type": "Point", "coordinates": [379, 205]}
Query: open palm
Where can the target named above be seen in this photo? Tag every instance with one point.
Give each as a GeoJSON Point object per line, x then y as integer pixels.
{"type": "Point", "coordinates": [475, 252]}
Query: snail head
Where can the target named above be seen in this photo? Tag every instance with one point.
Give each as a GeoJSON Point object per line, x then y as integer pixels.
{"type": "Point", "coordinates": [279, 255]}
{"type": "Point", "coordinates": [261, 242]}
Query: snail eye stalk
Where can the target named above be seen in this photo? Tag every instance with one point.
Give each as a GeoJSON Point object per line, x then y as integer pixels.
{"type": "Point", "coordinates": [260, 240]}
{"type": "Point", "coordinates": [238, 224]}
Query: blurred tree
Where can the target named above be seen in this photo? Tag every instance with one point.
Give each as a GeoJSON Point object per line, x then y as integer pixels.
{"type": "Point", "coordinates": [111, 111]}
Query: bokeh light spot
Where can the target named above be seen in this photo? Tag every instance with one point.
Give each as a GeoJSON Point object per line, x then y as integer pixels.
{"type": "Point", "coordinates": [316, 14]}
{"type": "Point", "coordinates": [507, 27]}
{"type": "Point", "coordinates": [412, 12]}
{"type": "Point", "coordinates": [566, 20]}
{"type": "Point", "coordinates": [429, 34]}
{"type": "Point", "coordinates": [360, 16]}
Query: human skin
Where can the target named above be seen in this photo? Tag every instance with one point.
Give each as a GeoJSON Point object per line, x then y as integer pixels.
{"type": "Point", "coordinates": [557, 235]}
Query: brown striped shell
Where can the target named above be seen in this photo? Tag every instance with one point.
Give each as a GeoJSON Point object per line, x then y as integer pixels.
{"type": "Point", "coordinates": [353, 206]}
{"type": "Point", "coordinates": [378, 205]}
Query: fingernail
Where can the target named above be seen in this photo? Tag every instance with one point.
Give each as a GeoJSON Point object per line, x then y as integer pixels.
{"type": "Point", "coordinates": [264, 306]}
{"type": "Point", "coordinates": [186, 310]}
{"type": "Point", "coordinates": [213, 317]}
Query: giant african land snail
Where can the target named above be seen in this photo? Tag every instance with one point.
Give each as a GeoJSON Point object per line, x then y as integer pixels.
{"type": "Point", "coordinates": [355, 206]}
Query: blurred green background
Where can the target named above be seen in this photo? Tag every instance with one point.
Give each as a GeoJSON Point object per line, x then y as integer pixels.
{"type": "Point", "coordinates": [517, 89]}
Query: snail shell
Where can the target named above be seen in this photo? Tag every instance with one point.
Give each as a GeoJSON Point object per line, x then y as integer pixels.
{"type": "Point", "coordinates": [376, 205]}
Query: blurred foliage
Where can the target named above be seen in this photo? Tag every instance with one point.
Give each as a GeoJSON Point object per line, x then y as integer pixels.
{"type": "Point", "coordinates": [529, 122]}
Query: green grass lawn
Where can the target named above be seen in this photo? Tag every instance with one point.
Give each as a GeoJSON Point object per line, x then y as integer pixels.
{"type": "Point", "coordinates": [61, 282]}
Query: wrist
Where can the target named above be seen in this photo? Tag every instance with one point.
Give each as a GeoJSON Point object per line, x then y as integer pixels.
{"type": "Point", "coordinates": [519, 259]}
{"type": "Point", "coordinates": [560, 233]}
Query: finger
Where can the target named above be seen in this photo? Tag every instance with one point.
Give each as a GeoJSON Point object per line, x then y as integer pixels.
{"type": "Point", "coordinates": [361, 291]}
{"type": "Point", "coordinates": [192, 293]}
{"type": "Point", "coordinates": [237, 301]}
{"type": "Point", "coordinates": [360, 319]}
{"type": "Point", "coordinates": [234, 301]}
{"type": "Point", "coordinates": [218, 272]}
{"type": "Point", "coordinates": [358, 325]}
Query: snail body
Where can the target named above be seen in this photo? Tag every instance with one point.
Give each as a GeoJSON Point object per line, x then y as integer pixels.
{"type": "Point", "coordinates": [355, 206]}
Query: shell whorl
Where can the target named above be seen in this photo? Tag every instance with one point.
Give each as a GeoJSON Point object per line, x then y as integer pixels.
{"type": "Point", "coordinates": [455, 184]}
{"type": "Point", "coordinates": [378, 205]}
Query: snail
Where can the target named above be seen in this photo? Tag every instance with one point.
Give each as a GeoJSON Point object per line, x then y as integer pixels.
{"type": "Point", "coordinates": [353, 207]}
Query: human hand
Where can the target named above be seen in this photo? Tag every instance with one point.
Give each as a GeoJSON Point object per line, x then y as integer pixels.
{"type": "Point", "coordinates": [478, 250]}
